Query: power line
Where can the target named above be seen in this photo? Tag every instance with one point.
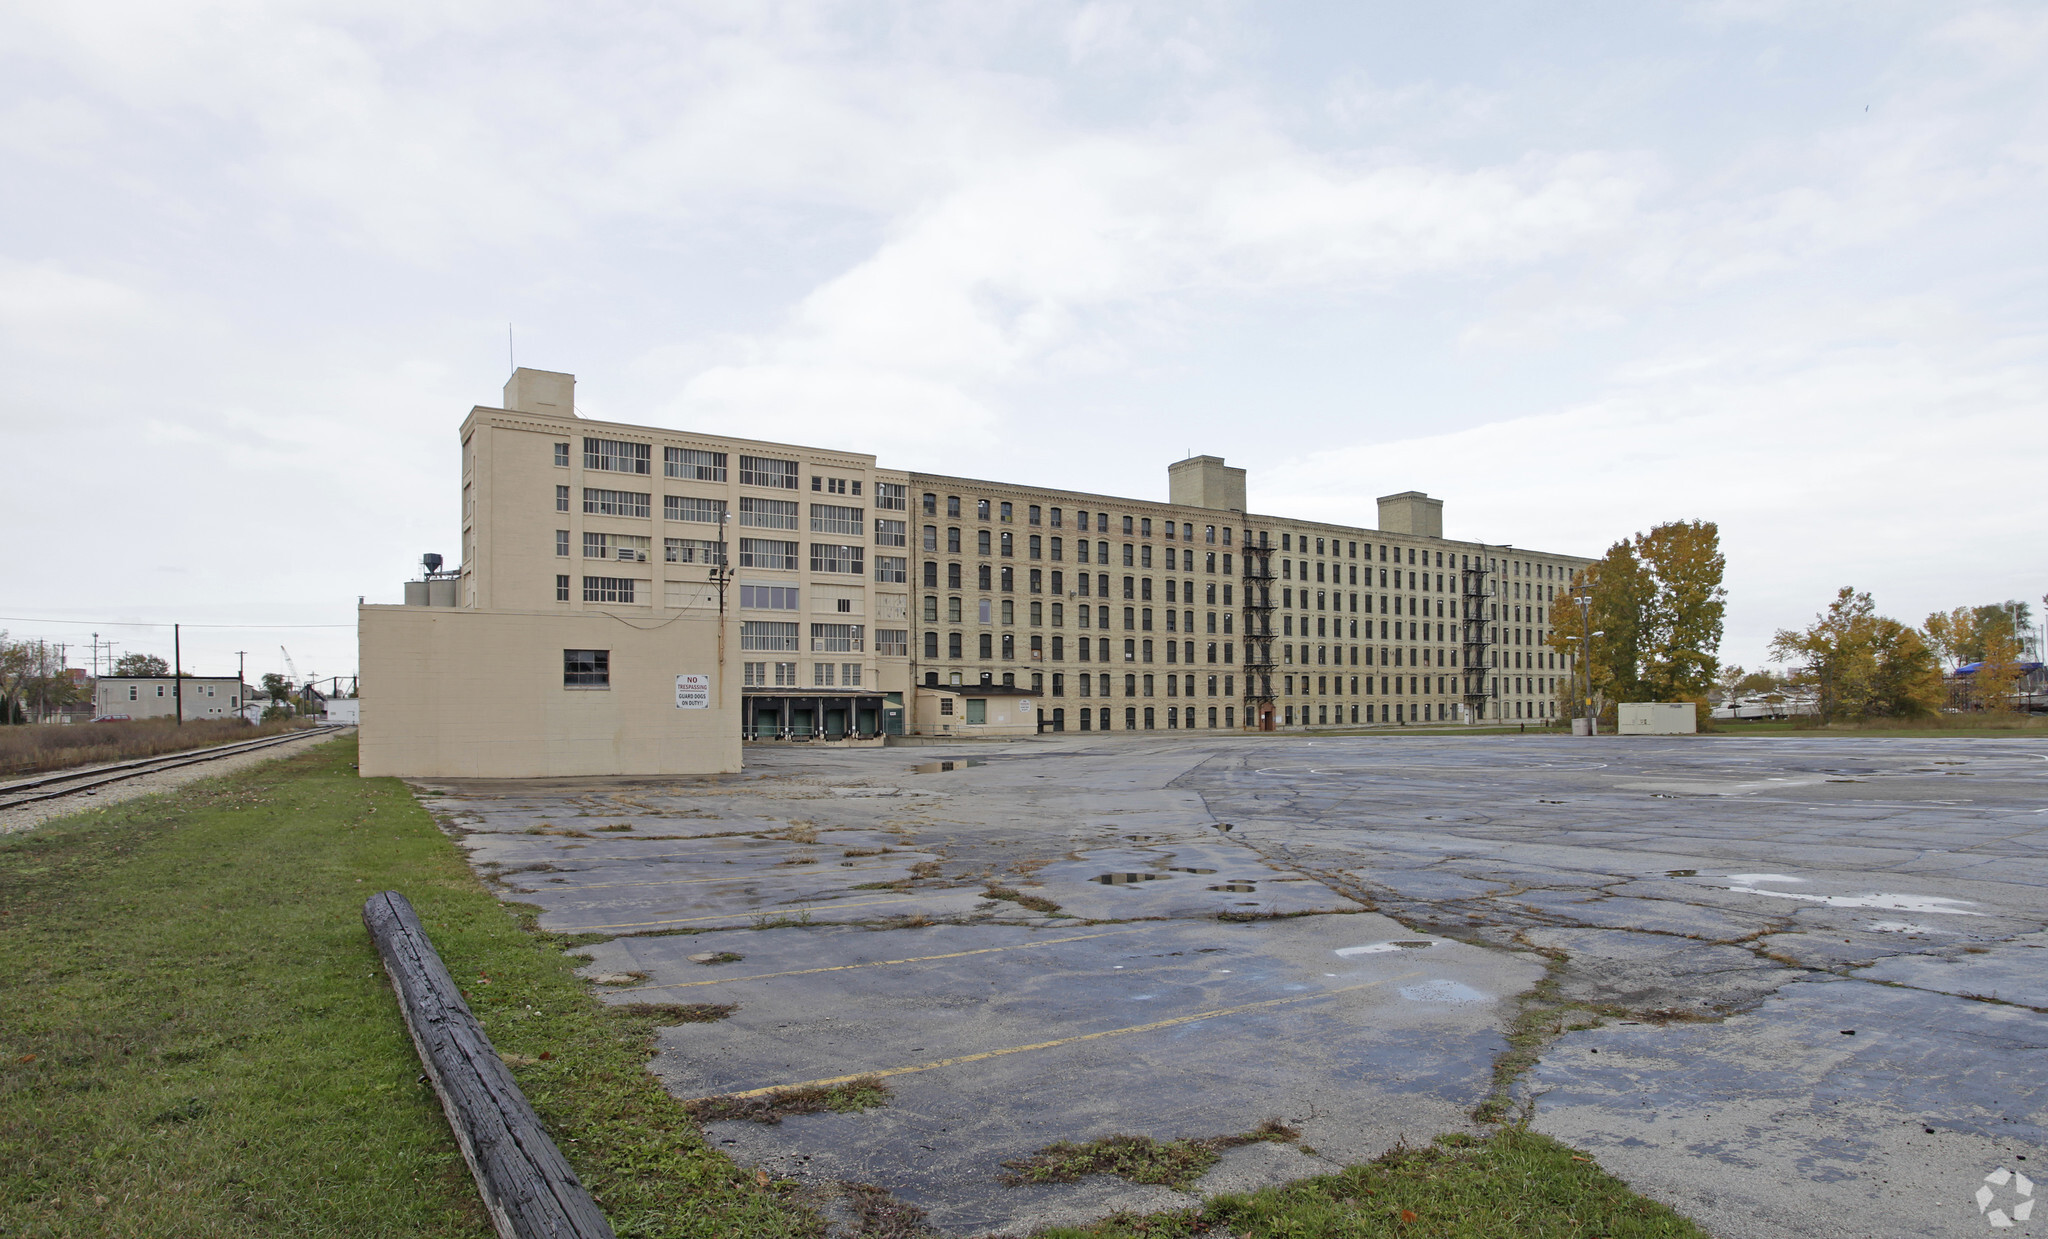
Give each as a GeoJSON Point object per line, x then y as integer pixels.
{"type": "Point", "coordinates": [34, 619]}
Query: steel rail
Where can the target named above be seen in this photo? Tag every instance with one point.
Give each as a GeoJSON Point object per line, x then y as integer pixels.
{"type": "Point", "coordinates": [100, 776]}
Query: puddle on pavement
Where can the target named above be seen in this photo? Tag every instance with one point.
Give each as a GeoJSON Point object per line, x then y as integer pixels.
{"type": "Point", "coordinates": [1681, 873]}
{"type": "Point", "coordinates": [1380, 948]}
{"type": "Point", "coordinates": [1442, 991]}
{"type": "Point", "coordinates": [1880, 900]}
{"type": "Point", "coordinates": [1178, 869]}
{"type": "Point", "coordinates": [1237, 888]}
{"type": "Point", "coordinates": [940, 767]}
{"type": "Point", "coordinates": [1127, 879]}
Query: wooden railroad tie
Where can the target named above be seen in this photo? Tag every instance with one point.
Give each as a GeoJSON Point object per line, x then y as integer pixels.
{"type": "Point", "coordinates": [527, 1185]}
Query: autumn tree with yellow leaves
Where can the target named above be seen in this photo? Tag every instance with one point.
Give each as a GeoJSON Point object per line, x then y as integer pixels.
{"type": "Point", "coordinates": [1657, 602]}
{"type": "Point", "coordinates": [1861, 664]}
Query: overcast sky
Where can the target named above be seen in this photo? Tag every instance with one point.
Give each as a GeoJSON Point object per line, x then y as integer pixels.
{"type": "Point", "coordinates": [1574, 269]}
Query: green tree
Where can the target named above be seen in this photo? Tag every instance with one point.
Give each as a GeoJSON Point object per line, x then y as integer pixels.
{"type": "Point", "coordinates": [17, 665]}
{"type": "Point", "coordinates": [140, 665]}
{"type": "Point", "coordinates": [1687, 611]}
{"type": "Point", "coordinates": [1657, 602]}
{"type": "Point", "coordinates": [1862, 664]}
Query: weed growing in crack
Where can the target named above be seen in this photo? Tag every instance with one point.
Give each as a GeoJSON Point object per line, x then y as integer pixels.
{"type": "Point", "coordinates": [668, 1014]}
{"type": "Point", "coordinates": [879, 1215]}
{"type": "Point", "coordinates": [1037, 903]}
{"type": "Point", "coordinates": [1141, 1159]}
{"type": "Point", "coordinates": [852, 1097]}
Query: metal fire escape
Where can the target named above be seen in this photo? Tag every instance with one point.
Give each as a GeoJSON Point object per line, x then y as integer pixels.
{"type": "Point", "coordinates": [1258, 628]}
{"type": "Point", "coordinates": [1475, 584]}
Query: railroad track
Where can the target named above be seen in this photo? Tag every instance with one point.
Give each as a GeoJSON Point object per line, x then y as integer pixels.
{"type": "Point", "coordinates": [74, 782]}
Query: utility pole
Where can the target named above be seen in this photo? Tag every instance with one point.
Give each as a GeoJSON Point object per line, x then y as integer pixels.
{"type": "Point", "coordinates": [178, 674]}
{"type": "Point", "coordinates": [242, 679]}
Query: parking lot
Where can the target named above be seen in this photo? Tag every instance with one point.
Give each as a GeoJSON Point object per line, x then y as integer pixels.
{"type": "Point", "coordinates": [1803, 968]}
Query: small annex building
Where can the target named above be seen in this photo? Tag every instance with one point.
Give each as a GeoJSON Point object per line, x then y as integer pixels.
{"type": "Point", "coordinates": [157, 696]}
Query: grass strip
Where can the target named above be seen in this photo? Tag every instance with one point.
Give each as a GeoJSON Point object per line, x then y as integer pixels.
{"type": "Point", "coordinates": [196, 1037]}
{"type": "Point", "coordinates": [1512, 1185]}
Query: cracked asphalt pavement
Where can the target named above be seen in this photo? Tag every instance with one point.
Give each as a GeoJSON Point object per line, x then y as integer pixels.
{"type": "Point", "coordinates": [1792, 983]}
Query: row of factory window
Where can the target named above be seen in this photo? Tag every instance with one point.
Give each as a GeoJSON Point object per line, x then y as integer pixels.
{"type": "Point", "coordinates": [691, 464]}
{"type": "Point", "coordinates": [753, 513]}
{"type": "Point", "coordinates": [784, 675]}
{"type": "Point", "coordinates": [621, 456]}
{"type": "Point", "coordinates": [1005, 512]}
{"type": "Point", "coordinates": [772, 554]}
{"type": "Point", "coordinates": [1061, 684]}
{"type": "Point", "coordinates": [782, 635]}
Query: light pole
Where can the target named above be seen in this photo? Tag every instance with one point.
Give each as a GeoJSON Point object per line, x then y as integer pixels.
{"type": "Point", "coordinates": [1584, 598]}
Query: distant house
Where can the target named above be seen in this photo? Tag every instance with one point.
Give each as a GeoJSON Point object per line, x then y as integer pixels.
{"type": "Point", "coordinates": [156, 696]}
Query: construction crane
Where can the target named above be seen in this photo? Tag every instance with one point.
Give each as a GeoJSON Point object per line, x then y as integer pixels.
{"type": "Point", "coordinates": [290, 667]}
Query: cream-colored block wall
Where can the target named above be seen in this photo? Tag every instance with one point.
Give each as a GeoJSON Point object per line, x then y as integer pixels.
{"type": "Point", "coordinates": [1006, 715]}
{"type": "Point", "coordinates": [510, 476]}
{"type": "Point", "coordinates": [453, 692]}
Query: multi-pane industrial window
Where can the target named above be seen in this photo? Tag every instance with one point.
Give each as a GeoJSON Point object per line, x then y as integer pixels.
{"type": "Point", "coordinates": [764, 471]}
{"type": "Point", "coordinates": [768, 553]}
{"type": "Point", "coordinates": [769, 513]}
{"type": "Point", "coordinates": [837, 638]}
{"type": "Point", "coordinates": [769, 597]}
{"type": "Point", "coordinates": [562, 588]}
{"type": "Point", "coordinates": [894, 642]}
{"type": "Point", "coordinates": [892, 569]}
{"type": "Point", "coordinates": [562, 543]}
{"type": "Point", "coordinates": [893, 496]}
{"type": "Point", "coordinates": [769, 635]}
{"type": "Point", "coordinates": [562, 455]}
{"type": "Point", "coordinates": [615, 502]}
{"type": "Point", "coordinates": [832, 518]}
{"type": "Point", "coordinates": [586, 668]}
{"type": "Point", "coordinates": [887, 532]}
{"type": "Point", "coordinates": [685, 508]}
{"type": "Point", "coordinates": [625, 547]}
{"type": "Point", "coordinates": [688, 462]}
{"type": "Point", "coordinates": [561, 499]}
{"type": "Point", "coordinates": [607, 589]}
{"type": "Point", "coordinates": [693, 551]}
{"type": "Point", "coordinates": [617, 456]}
{"type": "Point", "coordinates": [830, 557]}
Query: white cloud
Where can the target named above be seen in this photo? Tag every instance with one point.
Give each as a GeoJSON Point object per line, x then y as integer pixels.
{"type": "Point", "coordinates": [283, 240]}
{"type": "Point", "coordinates": [1826, 460]}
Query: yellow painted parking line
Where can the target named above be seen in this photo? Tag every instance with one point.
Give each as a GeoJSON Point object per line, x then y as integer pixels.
{"type": "Point", "coordinates": [873, 963]}
{"type": "Point", "coordinates": [751, 876]}
{"type": "Point", "coordinates": [1047, 1045]}
{"type": "Point", "coordinates": [692, 920]}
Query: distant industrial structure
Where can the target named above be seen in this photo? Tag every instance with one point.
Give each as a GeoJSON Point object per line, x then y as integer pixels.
{"type": "Point", "coordinates": [637, 600]}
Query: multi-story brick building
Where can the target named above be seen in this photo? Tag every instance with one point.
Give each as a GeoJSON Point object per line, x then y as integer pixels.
{"type": "Point", "coordinates": [1128, 614]}
{"type": "Point", "coordinates": [838, 594]}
